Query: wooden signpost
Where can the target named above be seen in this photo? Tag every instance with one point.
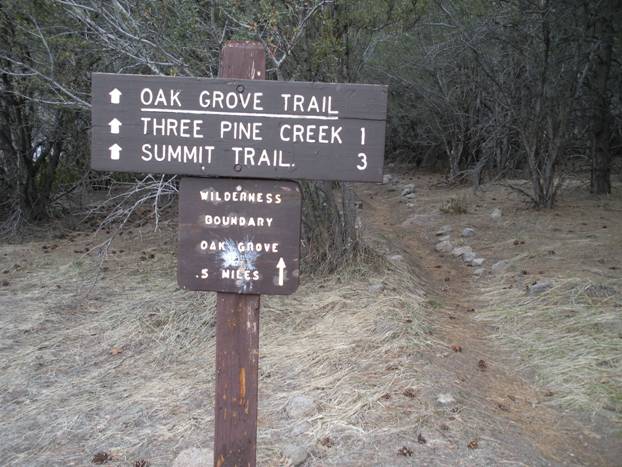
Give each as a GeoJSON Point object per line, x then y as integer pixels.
{"type": "Point", "coordinates": [238, 237]}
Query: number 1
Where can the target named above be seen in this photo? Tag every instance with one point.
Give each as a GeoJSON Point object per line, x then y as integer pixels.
{"type": "Point", "coordinates": [363, 136]}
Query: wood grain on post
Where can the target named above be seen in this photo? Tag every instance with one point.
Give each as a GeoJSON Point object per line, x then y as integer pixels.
{"type": "Point", "coordinates": [237, 322]}
{"type": "Point", "coordinates": [237, 359]}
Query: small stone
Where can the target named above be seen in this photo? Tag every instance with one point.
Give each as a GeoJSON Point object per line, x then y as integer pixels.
{"type": "Point", "coordinates": [496, 213]}
{"type": "Point", "coordinates": [445, 399]}
{"type": "Point", "coordinates": [194, 457]}
{"type": "Point", "coordinates": [410, 205]}
{"type": "Point", "coordinates": [477, 262]}
{"type": "Point", "coordinates": [410, 196]}
{"type": "Point", "coordinates": [444, 246]}
{"type": "Point", "coordinates": [300, 406]}
{"type": "Point", "coordinates": [539, 287]}
{"type": "Point", "coordinates": [468, 257]}
{"type": "Point", "coordinates": [478, 271]}
{"type": "Point", "coordinates": [395, 259]}
{"type": "Point", "coordinates": [408, 189]}
{"type": "Point", "coordinates": [461, 250]}
{"type": "Point", "coordinates": [444, 230]}
{"type": "Point", "coordinates": [301, 429]}
{"type": "Point", "coordinates": [444, 238]}
{"type": "Point", "coordinates": [500, 267]}
{"type": "Point", "coordinates": [468, 232]}
{"type": "Point", "coordinates": [387, 178]}
{"type": "Point", "coordinates": [295, 454]}
{"type": "Point", "coordinates": [375, 287]}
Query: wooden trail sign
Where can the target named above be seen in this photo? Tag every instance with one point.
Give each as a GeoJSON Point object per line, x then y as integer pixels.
{"type": "Point", "coordinates": [238, 127]}
{"type": "Point", "coordinates": [239, 235]}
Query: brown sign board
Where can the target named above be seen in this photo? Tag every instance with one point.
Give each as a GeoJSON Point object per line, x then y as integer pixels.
{"type": "Point", "coordinates": [238, 128]}
{"type": "Point", "coordinates": [239, 235]}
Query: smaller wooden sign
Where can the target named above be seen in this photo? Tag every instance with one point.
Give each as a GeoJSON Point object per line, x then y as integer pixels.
{"type": "Point", "coordinates": [239, 235]}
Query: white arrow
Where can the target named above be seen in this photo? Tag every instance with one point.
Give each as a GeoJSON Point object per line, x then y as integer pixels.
{"type": "Point", "coordinates": [115, 95]}
{"type": "Point", "coordinates": [281, 267]}
{"type": "Point", "coordinates": [115, 152]}
{"type": "Point", "coordinates": [114, 126]}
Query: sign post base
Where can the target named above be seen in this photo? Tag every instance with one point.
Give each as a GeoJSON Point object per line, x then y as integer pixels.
{"type": "Point", "coordinates": [237, 364]}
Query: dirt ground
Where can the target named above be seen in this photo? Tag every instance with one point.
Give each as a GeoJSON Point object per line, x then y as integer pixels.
{"type": "Point", "coordinates": [414, 360]}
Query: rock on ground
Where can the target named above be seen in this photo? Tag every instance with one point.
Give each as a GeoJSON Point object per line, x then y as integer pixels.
{"type": "Point", "coordinates": [444, 230]}
{"type": "Point", "coordinates": [444, 247]}
{"type": "Point", "coordinates": [408, 189]}
{"type": "Point", "coordinates": [461, 250]}
{"type": "Point", "coordinates": [478, 271]}
{"type": "Point", "coordinates": [395, 259]}
{"type": "Point", "coordinates": [539, 287]}
{"type": "Point", "coordinates": [445, 398]}
{"type": "Point", "coordinates": [496, 213]}
{"type": "Point", "coordinates": [387, 178]}
{"type": "Point", "coordinates": [301, 429]}
{"type": "Point", "coordinates": [468, 232]}
{"type": "Point", "coordinates": [300, 406]}
{"type": "Point", "coordinates": [194, 457]}
{"type": "Point", "coordinates": [296, 455]}
{"type": "Point", "coordinates": [375, 287]}
{"type": "Point", "coordinates": [477, 262]}
{"type": "Point", "coordinates": [500, 266]}
{"type": "Point", "coordinates": [468, 257]}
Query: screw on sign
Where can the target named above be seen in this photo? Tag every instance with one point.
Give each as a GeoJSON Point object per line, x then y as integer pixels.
{"type": "Point", "coordinates": [238, 236]}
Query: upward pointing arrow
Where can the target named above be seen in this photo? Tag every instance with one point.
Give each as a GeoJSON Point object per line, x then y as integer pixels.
{"type": "Point", "coordinates": [281, 267]}
{"type": "Point", "coordinates": [115, 152]}
{"type": "Point", "coordinates": [114, 125]}
{"type": "Point", "coordinates": [115, 95]}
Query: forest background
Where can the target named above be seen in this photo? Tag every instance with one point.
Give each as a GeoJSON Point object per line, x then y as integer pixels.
{"type": "Point", "coordinates": [486, 91]}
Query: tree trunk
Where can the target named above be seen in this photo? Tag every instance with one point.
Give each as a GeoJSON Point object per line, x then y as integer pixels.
{"type": "Point", "coordinates": [601, 126]}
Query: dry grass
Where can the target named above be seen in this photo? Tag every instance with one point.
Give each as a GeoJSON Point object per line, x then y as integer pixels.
{"type": "Point", "coordinates": [570, 335]}
{"type": "Point", "coordinates": [125, 365]}
{"type": "Point", "coordinates": [338, 342]}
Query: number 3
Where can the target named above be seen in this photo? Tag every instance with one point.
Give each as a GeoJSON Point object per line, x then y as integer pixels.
{"type": "Point", "coordinates": [363, 164]}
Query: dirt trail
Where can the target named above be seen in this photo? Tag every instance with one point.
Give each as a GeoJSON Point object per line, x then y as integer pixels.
{"type": "Point", "coordinates": [498, 408]}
